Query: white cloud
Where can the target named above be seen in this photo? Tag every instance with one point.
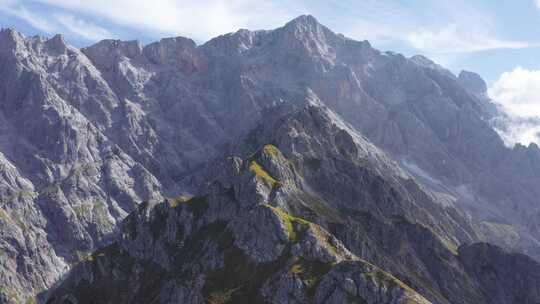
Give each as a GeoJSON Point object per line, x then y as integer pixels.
{"type": "Point", "coordinates": [514, 131]}
{"type": "Point", "coordinates": [518, 91]}
{"type": "Point", "coordinates": [537, 2]}
{"type": "Point", "coordinates": [518, 94]}
{"type": "Point", "coordinates": [81, 28]}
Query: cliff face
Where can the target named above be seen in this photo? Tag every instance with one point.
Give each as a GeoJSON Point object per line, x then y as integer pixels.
{"type": "Point", "coordinates": [329, 170]}
{"type": "Point", "coordinates": [306, 223]}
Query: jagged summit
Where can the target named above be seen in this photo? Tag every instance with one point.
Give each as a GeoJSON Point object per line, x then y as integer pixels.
{"type": "Point", "coordinates": [305, 21]}
{"type": "Point", "coordinates": [277, 165]}
{"type": "Point", "coordinates": [473, 82]}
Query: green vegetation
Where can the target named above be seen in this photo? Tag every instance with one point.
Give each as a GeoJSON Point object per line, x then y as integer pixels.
{"type": "Point", "coordinates": [263, 176]}
{"type": "Point", "coordinates": [270, 150]}
{"type": "Point", "coordinates": [4, 216]}
{"type": "Point", "coordinates": [293, 224]}
{"type": "Point", "coordinates": [182, 199]}
{"type": "Point", "coordinates": [450, 245]}
{"type": "Point", "coordinates": [238, 281]}
{"type": "Point", "coordinates": [326, 239]}
{"type": "Point", "coordinates": [31, 300]}
{"type": "Point", "coordinates": [13, 218]}
{"type": "Point", "coordinates": [12, 297]}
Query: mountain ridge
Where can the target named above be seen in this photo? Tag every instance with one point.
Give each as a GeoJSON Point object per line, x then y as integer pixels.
{"type": "Point", "coordinates": [90, 134]}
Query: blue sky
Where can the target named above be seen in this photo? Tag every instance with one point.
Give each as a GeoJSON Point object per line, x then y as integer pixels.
{"type": "Point", "coordinates": [500, 40]}
{"type": "Point", "coordinates": [489, 37]}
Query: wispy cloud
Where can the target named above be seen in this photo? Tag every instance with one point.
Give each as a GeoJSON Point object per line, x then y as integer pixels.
{"type": "Point", "coordinates": [82, 28]}
{"type": "Point", "coordinates": [458, 29]}
{"type": "Point", "coordinates": [55, 22]}
{"type": "Point", "coordinates": [458, 38]}
{"type": "Point", "coordinates": [201, 19]}
{"type": "Point", "coordinates": [32, 19]}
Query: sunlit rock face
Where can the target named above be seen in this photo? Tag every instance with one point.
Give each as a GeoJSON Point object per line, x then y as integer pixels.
{"type": "Point", "coordinates": [292, 165]}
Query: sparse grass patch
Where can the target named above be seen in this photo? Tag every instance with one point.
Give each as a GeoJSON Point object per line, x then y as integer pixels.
{"type": "Point", "coordinates": [174, 202]}
{"type": "Point", "coordinates": [326, 239]}
{"type": "Point", "coordinates": [270, 150]}
{"type": "Point", "coordinates": [263, 176]}
{"type": "Point", "coordinates": [31, 300]}
{"type": "Point", "coordinates": [451, 246]}
{"type": "Point", "coordinates": [4, 216]}
{"type": "Point", "coordinates": [10, 294]}
{"type": "Point", "coordinates": [292, 224]}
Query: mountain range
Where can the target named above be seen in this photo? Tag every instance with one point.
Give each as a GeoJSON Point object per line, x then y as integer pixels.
{"type": "Point", "coordinates": [292, 165]}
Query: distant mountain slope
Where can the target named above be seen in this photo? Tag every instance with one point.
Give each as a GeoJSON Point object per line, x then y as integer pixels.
{"type": "Point", "coordinates": [396, 159]}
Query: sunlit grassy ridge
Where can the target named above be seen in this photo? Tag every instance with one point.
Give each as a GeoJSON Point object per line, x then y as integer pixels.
{"type": "Point", "coordinates": [262, 175]}
{"type": "Point", "coordinates": [290, 222]}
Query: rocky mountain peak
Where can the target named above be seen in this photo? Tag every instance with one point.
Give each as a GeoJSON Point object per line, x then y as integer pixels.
{"type": "Point", "coordinates": [10, 38]}
{"type": "Point", "coordinates": [305, 36]}
{"type": "Point", "coordinates": [473, 82]}
{"type": "Point", "coordinates": [11, 33]}
{"type": "Point", "coordinates": [299, 166]}
{"type": "Point", "coordinates": [106, 52]}
{"type": "Point", "coordinates": [57, 43]}
{"type": "Point", "coordinates": [176, 51]}
{"type": "Point", "coordinates": [304, 22]}
{"type": "Point", "coordinates": [428, 63]}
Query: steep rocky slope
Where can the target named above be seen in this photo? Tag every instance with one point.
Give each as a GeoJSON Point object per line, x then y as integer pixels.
{"type": "Point", "coordinates": [87, 135]}
{"type": "Point", "coordinates": [258, 232]}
